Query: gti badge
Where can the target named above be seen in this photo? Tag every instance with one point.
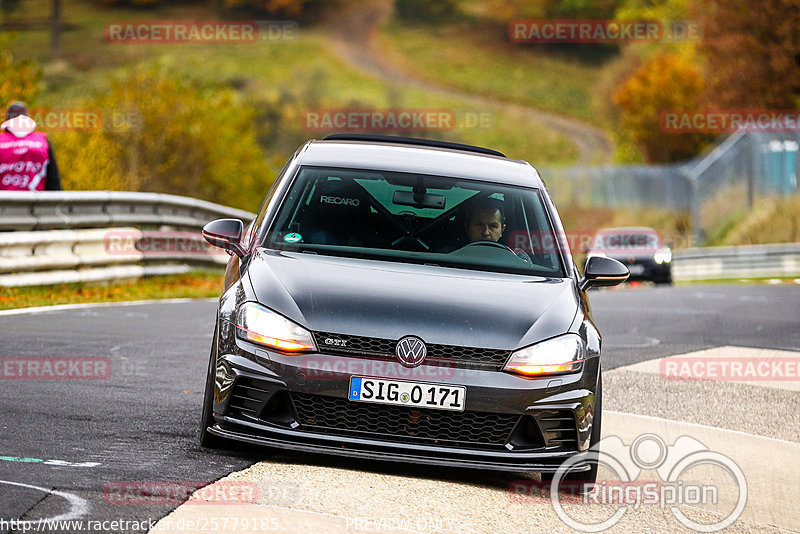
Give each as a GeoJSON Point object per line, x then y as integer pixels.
{"type": "Point", "coordinates": [335, 342]}
{"type": "Point", "coordinates": [411, 351]}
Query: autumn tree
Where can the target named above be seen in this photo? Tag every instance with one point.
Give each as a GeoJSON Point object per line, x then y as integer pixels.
{"type": "Point", "coordinates": [169, 134]}
{"type": "Point", "coordinates": [666, 82]}
{"type": "Point", "coordinates": [752, 52]}
{"type": "Point", "coordinates": [20, 79]}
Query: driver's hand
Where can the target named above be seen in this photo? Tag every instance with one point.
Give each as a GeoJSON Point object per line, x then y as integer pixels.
{"type": "Point", "coordinates": [521, 254]}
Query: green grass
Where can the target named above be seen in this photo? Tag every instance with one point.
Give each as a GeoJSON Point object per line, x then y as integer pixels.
{"type": "Point", "coordinates": [305, 68]}
{"type": "Point", "coordinates": [480, 60]}
{"type": "Point", "coordinates": [197, 284]}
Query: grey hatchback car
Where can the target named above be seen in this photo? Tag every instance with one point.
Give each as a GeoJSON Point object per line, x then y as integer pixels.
{"type": "Point", "coordinates": [409, 300]}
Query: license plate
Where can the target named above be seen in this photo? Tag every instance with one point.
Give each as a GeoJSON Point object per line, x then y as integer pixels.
{"type": "Point", "coordinates": [636, 269]}
{"type": "Point", "coordinates": [400, 392]}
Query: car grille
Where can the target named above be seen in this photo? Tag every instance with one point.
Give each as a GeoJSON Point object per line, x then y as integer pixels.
{"type": "Point", "coordinates": [375, 347]}
{"type": "Point", "coordinates": [339, 416]}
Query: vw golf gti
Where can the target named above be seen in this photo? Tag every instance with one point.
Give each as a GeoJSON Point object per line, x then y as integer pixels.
{"type": "Point", "coordinates": [409, 300]}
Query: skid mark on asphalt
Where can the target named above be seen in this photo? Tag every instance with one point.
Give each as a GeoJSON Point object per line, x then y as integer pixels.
{"type": "Point", "coordinates": [632, 339]}
{"type": "Point", "coordinates": [78, 507]}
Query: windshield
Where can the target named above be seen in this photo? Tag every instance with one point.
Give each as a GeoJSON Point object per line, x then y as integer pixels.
{"type": "Point", "coordinates": [417, 219]}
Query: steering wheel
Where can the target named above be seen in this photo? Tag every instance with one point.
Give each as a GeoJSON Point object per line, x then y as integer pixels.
{"type": "Point", "coordinates": [488, 244]}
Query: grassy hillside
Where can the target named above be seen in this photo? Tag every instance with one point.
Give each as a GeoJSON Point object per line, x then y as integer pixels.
{"type": "Point", "coordinates": [479, 59]}
{"type": "Point", "coordinates": [305, 68]}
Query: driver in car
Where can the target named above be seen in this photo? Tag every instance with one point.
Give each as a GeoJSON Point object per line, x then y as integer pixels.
{"type": "Point", "coordinates": [486, 221]}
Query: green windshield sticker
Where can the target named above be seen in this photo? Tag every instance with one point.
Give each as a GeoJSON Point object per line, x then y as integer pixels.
{"type": "Point", "coordinates": [292, 238]}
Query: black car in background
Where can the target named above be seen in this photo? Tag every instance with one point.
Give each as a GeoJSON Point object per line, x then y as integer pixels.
{"type": "Point", "coordinates": [366, 312]}
{"type": "Point", "coordinates": [640, 248]}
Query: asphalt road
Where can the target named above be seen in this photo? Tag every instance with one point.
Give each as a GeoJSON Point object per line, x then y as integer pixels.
{"type": "Point", "coordinates": [139, 423]}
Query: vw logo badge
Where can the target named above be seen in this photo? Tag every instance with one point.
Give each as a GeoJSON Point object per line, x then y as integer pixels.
{"type": "Point", "coordinates": [411, 351]}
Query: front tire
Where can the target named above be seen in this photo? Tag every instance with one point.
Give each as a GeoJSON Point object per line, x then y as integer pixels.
{"type": "Point", "coordinates": [207, 439]}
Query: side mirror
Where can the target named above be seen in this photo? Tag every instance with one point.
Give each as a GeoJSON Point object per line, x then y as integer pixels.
{"type": "Point", "coordinates": [225, 234]}
{"type": "Point", "coordinates": [601, 271]}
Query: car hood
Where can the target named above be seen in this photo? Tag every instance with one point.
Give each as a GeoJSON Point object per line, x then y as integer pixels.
{"type": "Point", "coordinates": [391, 300]}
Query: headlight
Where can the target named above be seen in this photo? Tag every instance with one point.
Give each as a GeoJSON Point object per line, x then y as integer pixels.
{"type": "Point", "coordinates": [258, 324]}
{"type": "Point", "coordinates": [663, 255]}
{"type": "Point", "coordinates": [562, 354]}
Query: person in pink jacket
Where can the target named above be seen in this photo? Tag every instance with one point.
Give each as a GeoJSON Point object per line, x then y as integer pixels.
{"type": "Point", "coordinates": [27, 162]}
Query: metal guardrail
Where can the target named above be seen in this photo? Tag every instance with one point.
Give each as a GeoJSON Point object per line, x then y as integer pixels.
{"type": "Point", "coordinates": [69, 237]}
{"type": "Point", "coordinates": [47, 210]}
{"type": "Point", "coordinates": [76, 236]}
{"type": "Point", "coordinates": [747, 261]}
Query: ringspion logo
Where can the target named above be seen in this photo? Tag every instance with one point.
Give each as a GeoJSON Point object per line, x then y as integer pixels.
{"type": "Point", "coordinates": [685, 473]}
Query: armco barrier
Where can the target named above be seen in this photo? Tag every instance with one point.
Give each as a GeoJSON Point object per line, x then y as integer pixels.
{"type": "Point", "coordinates": [60, 237]}
{"type": "Point", "coordinates": [46, 210]}
{"type": "Point", "coordinates": [780, 260]}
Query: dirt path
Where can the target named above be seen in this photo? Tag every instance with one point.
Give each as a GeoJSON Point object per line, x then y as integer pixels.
{"type": "Point", "coordinates": [353, 32]}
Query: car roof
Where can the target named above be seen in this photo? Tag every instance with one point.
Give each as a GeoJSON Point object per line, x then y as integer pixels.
{"type": "Point", "coordinates": [419, 159]}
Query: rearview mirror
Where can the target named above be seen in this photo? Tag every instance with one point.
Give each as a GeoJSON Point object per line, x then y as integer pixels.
{"type": "Point", "coordinates": [419, 200]}
{"type": "Point", "coordinates": [601, 271]}
{"type": "Point", "coordinates": [225, 234]}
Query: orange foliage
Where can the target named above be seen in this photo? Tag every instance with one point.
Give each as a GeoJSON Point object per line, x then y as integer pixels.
{"type": "Point", "coordinates": [665, 83]}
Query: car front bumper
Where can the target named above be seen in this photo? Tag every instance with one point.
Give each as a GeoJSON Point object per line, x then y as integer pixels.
{"type": "Point", "coordinates": [509, 423]}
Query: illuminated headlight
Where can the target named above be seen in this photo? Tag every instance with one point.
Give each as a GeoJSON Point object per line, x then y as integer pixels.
{"type": "Point", "coordinates": [563, 354]}
{"type": "Point", "coordinates": [663, 255]}
{"type": "Point", "coordinates": [258, 324]}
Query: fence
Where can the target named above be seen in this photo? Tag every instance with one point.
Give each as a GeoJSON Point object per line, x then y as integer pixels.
{"type": "Point", "coordinates": [725, 179]}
